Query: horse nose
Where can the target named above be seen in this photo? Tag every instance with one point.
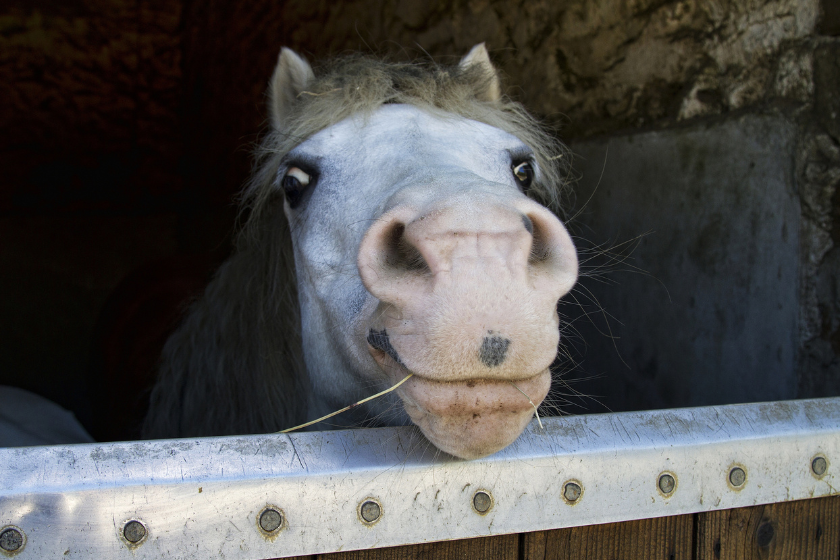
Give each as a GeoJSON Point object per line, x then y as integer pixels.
{"type": "Point", "coordinates": [407, 253]}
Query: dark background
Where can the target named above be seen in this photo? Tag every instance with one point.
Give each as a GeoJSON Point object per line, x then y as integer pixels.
{"type": "Point", "coordinates": [127, 129]}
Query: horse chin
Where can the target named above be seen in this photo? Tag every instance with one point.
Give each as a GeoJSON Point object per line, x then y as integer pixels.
{"type": "Point", "coordinates": [473, 418]}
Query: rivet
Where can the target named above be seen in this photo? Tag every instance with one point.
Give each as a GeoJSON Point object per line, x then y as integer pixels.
{"type": "Point", "coordinates": [270, 520]}
{"type": "Point", "coordinates": [667, 483]}
{"type": "Point", "coordinates": [737, 477]}
{"type": "Point", "coordinates": [482, 501]}
{"type": "Point", "coordinates": [572, 492]}
{"type": "Point", "coordinates": [11, 540]}
{"type": "Point", "coordinates": [819, 465]}
{"type": "Point", "coordinates": [134, 531]}
{"type": "Point", "coordinates": [370, 511]}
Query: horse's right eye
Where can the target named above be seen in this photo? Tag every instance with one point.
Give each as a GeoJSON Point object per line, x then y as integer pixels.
{"type": "Point", "coordinates": [524, 174]}
{"type": "Point", "coordinates": [294, 184]}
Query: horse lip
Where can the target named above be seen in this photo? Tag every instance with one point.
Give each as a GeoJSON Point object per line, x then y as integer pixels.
{"type": "Point", "coordinates": [521, 392]}
{"type": "Point", "coordinates": [468, 383]}
{"type": "Point", "coordinates": [472, 383]}
{"type": "Point", "coordinates": [466, 418]}
{"type": "Point", "coordinates": [396, 371]}
{"type": "Point", "coordinates": [473, 421]}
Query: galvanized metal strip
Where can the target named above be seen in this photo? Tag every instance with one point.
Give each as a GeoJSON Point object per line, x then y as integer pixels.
{"type": "Point", "coordinates": [203, 498]}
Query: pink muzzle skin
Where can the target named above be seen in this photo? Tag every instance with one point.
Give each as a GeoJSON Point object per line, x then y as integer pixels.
{"type": "Point", "coordinates": [468, 293]}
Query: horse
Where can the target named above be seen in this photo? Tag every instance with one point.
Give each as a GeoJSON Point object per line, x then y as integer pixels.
{"type": "Point", "coordinates": [402, 219]}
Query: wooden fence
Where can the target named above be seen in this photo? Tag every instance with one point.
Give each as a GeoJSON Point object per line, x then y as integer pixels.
{"type": "Point", "coordinates": [731, 482]}
{"type": "Point", "coordinates": [798, 530]}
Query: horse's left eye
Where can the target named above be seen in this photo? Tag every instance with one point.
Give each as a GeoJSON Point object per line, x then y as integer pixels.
{"type": "Point", "coordinates": [294, 184]}
{"type": "Point", "coordinates": [524, 174]}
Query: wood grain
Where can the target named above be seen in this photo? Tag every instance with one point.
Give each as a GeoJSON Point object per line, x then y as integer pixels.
{"type": "Point", "coordinates": [503, 547]}
{"type": "Point", "coordinates": [804, 529]}
{"type": "Point", "coordinates": [665, 538]}
{"type": "Point", "coordinates": [800, 530]}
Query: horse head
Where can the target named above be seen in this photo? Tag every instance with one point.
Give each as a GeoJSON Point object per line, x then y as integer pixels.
{"type": "Point", "coordinates": [418, 251]}
{"type": "Point", "coordinates": [396, 224]}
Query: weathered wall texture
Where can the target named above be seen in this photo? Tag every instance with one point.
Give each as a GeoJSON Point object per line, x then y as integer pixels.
{"type": "Point", "coordinates": [709, 311]}
{"type": "Point", "coordinates": [818, 166]}
{"type": "Point", "coordinates": [128, 125]}
{"type": "Point", "coordinates": [615, 67]}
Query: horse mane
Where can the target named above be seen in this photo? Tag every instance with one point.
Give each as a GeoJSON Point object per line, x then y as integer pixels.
{"type": "Point", "coordinates": [234, 365]}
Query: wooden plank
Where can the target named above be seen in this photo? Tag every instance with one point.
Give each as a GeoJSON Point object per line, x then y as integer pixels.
{"type": "Point", "coordinates": [664, 538]}
{"type": "Point", "coordinates": [502, 547]}
{"type": "Point", "coordinates": [787, 530]}
{"type": "Point", "coordinates": [804, 529]}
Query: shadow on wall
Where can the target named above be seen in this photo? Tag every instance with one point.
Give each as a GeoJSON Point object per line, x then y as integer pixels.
{"type": "Point", "coordinates": [705, 309]}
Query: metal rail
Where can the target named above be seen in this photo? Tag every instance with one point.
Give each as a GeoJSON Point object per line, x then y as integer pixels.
{"type": "Point", "coordinates": [269, 496]}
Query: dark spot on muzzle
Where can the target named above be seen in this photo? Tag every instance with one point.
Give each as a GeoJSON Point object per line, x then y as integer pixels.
{"type": "Point", "coordinates": [381, 341]}
{"type": "Point", "coordinates": [493, 350]}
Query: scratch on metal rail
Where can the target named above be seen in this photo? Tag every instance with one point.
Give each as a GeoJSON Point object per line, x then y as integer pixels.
{"type": "Point", "coordinates": [299, 458]}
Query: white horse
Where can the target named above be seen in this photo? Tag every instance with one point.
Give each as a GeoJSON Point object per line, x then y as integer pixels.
{"type": "Point", "coordinates": [409, 202]}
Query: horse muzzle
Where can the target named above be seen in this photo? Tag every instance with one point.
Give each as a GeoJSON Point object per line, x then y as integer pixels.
{"type": "Point", "coordinates": [467, 294]}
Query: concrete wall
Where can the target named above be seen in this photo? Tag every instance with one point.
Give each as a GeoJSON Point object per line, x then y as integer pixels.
{"type": "Point", "coordinates": [693, 299]}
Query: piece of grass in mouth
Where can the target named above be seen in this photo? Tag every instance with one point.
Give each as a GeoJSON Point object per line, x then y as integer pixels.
{"type": "Point", "coordinates": [346, 408]}
{"type": "Point", "coordinates": [385, 392]}
{"type": "Point", "coordinates": [537, 414]}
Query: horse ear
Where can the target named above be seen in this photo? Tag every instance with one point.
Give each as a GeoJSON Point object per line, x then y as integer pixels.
{"type": "Point", "coordinates": [291, 76]}
{"type": "Point", "coordinates": [491, 89]}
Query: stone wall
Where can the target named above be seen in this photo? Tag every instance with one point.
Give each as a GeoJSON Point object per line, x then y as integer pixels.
{"type": "Point", "coordinates": [615, 69]}
{"type": "Point", "coordinates": [129, 127]}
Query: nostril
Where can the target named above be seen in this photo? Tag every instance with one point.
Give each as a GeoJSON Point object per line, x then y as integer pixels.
{"type": "Point", "coordinates": [390, 266]}
{"type": "Point", "coordinates": [552, 259]}
{"type": "Point", "coordinates": [529, 225]}
{"type": "Point", "coordinates": [401, 254]}
{"type": "Point", "coordinates": [540, 242]}
{"type": "Point", "coordinates": [393, 238]}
